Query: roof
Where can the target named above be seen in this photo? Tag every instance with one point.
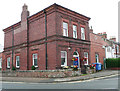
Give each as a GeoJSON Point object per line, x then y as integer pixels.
{"type": "Point", "coordinates": [42, 11]}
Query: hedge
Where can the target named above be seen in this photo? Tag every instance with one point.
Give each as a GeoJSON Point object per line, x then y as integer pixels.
{"type": "Point", "coordinates": [112, 62]}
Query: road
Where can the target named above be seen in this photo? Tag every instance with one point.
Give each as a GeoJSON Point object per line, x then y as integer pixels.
{"type": "Point", "coordinates": [104, 83]}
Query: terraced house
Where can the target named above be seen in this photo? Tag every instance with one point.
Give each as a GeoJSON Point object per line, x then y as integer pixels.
{"type": "Point", "coordinates": [48, 40]}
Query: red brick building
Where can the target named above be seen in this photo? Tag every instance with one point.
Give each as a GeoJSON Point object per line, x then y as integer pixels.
{"type": "Point", "coordinates": [26, 42]}
{"type": "Point", "coordinates": [97, 49]}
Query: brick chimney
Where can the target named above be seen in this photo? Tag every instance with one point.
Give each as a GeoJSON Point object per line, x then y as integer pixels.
{"type": "Point", "coordinates": [24, 22]}
{"type": "Point", "coordinates": [25, 13]}
{"type": "Point", "coordinates": [104, 35]}
{"type": "Point", "coordinates": [24, 16]}
{"type": "Point", "coordinates": [91, 30]}
{"type": "Point", "coordinates": [113, 38]}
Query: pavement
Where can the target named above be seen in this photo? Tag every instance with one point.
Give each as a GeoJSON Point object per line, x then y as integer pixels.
{"type": "Point", "coordinates": [100, 74]}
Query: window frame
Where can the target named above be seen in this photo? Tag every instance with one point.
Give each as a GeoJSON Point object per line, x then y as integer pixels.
{"type": "Point", "coordinates": [8, 66]}
{"type": "Point", "coordinates": [81, 33]}
{"type": "Point", "coordinates": [75, 30]}
{"type": "Point", "coordinates": [65, 64]}
{"type": "Point", "coordinates": [65, 28]}
{"type": "Point", "coordinates": [87, 58]}
{"type": "Point", "coordinates": [117, 48]}
{"type": "Point", "coordinates": [34, 60]}
{"type": "Point", "coordinates": [17, 61]}
{"type": "Point", "coordinates": [97, 58]}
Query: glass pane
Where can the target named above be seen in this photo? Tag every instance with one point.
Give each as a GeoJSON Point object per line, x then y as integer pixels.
{"type": "Point", "coordinates": [35, 59]}
{"type": "Point", "coordinates": [74, 34]}
{"type": "Point", "coordinates": [97, 58]}
{"type": "Point", "coordinates": [86, 54]}
{"type": "Point", "coordinates": [65, 32]}
{"type": "Point", "coordinates": [35, 62]}
{"type": "Point", "coordinates": [82, 30]}
{"type": "Point", "coordinates": [17, 60]}
{"type": "Point", "coordinates": [62, 54]}
{"type": "Point", "coordinates": [82, 33]}
{"type": "Point", "coordinates": [74, 31]}
{"type": "Point", "coordinates": [62, 61]}
{"type": "Point", "coordinates": [63, 58]}
{"type": "Point", "coordinates": [65, 29]}
{"type": "Point", "coordinates": [65, 25]}
{"type": "Point", "coordinates": [18, 63]}
{"type": "Point", "coordinates": [74, 28]}
{"type": "Point", "coordinates": [35, 56]}
{"type": "Point", "coordinates": [8, 62]}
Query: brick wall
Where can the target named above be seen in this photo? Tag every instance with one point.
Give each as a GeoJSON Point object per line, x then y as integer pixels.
{"type": "Point", "coordinates": [42, 73]}
{"type": "Point", "coordinates": [97, 44]}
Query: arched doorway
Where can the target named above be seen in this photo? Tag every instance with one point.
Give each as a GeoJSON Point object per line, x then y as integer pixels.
{"type": "Point", "coordinates": [76, 62]}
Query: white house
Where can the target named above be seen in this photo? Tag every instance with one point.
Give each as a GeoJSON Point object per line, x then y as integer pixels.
{"type": "Point", "coordinates": [112, 49]}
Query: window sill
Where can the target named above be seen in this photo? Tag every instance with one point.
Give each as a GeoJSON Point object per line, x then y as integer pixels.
{"type": "Point", "coordinates": [36, 66]}
{"type": "Point", "coordinates": [63, 65]}
{"type": "Point", "coordinates": [17, 67]}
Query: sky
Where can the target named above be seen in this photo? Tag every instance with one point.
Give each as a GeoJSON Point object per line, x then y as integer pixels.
{"type": "Point", "coordinates": [103, 13]}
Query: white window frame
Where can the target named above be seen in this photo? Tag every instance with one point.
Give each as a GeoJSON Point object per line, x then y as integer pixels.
{"type": "Point", "coordinates": [1, 62]}
{"type": "Point", "coordinates": [17, 62]}
{"type": "Point", "coordinates": [97, 58]}
{"type": "Point", "coordinates": [74, 31]}
{"type": "Point", "coordinates": [82, 33]}
{"type": "Point", "coordinates": [34, 58]}
{"type": "Point", "coordinates": [117, 48]}
{"type": "Point", "coordinates": [8, 60]}
{"type": "Point", "coordinates": [108, 49]}
{"type": "Point", "coordinates": [65, 64]}
{"type": "Point", "coordinates": [86, 57]}
{"type": "Point", "coordinates": [65, 29]}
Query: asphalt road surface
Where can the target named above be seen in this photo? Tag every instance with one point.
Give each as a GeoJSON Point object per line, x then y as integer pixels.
{"type": "Point", "coordinates": [103, 83]}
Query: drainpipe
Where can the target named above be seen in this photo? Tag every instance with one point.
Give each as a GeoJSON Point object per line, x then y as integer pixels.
{"type": "Point", "coordinates": [27, 45]}
{"type": "Point", "coordinates": [116, 51]}
{"type": "Point", "coordinates": [105, 58]}
{"type": "Point", "coordinates": [12, 46]}
{"type": "Point", "coordinates": [46, 57]}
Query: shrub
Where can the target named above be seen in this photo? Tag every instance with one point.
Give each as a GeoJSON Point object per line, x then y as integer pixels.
{"type": "Point", "coordinates": [33, 67]}
{"type": "Point", "coordinates": [112, 62]}
{"type": "Point", "coordinates": [13, 68]}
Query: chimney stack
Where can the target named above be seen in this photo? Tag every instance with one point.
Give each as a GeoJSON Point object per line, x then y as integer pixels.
{"type": "Point", "coordinates": [25, 13]}
{"type": "Point", "coordinates": [91, 30]}
{"type": "Point", "coordinates": [104, 35]}
{"type": "Point", "coordinates": [24, 17]}
{"type": "Point", "coordinates": [113, 38]}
